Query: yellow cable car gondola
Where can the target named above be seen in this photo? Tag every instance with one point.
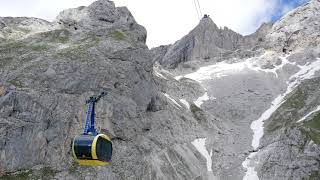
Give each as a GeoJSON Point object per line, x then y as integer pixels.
{"type": "Point", "coordinates": [92, 148]}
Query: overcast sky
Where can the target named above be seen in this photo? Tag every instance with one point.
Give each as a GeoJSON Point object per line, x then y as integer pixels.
{"type": "Point", "coordinates": [168, 20]}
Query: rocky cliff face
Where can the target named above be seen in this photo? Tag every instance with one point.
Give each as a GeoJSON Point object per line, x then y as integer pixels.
{"type": "Point", "coordinates": [210, 43]}
{"type": "Point", "coordinates": [265, 83]}
{"type": "Point", "coordinates": [48, 69]}
{"type": "Point", "coordinates": [214, 105]}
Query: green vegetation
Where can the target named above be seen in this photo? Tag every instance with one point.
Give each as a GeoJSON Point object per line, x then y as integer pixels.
{"type": "Point", "coordinates": [56, 36]}
{"type": "Point", "coordinates": [24, 30]}
{"type": "Point", "coordinates": [277, 121]}
{"type": "Point", "coordinates": [314, 123]}
{"type": "Point", "coordinates": [118, 35]}
{"type": "Point", "coordinates": [38, 47]}
{"type": "Point", "coordinates": [194, 109]}
{"type": "Point", "coordinates": [311, 129]}
{"type": "Point", "coordinates": [90, 40]}
{"type": "Point", "coordinates": [45, 173]}
{"type": "Point", "coordinates": [5, 61]}
{"type": "Point", "coordinates": [197, 113]}
{"type": "Point", "coordinates": [25, 175]}
{"type": "Point", "coordinates": [286, 115]}
{"type": "Point", "coordinates": [79, 48]}
{"type": "Point", "coordinates": [38, 43]}
{"type": "Point", "coordinates": [73, 168]}
{"type": "Point", "coordinates": [297, 100]}
{"type": "Point", "coordinates": [16, 46]}
{"type": "Point", "coordinates": [185, 79]}
{"type": "Point", "coordinates": [16, 83]}
{"type": "Point", "coordinates": [315, 175]}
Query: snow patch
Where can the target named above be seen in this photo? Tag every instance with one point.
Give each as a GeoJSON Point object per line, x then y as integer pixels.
{"type": "Point", "coordinates": [312, 143]}
{"type": "Point", "coordinates": [202, 99]}
{"type": "Point", "coordinates": [251, 174]}
{"type": "Point", "coordinates": [63, 46]}
{"type": "Point", "coordinates": [185, 102]}
{"type": "Point", "coordinates": [200, 145]}
{"type": "Point", "coordinates": [305, 117]}
{"type": "Point", "coordinates": [158, 74]}
{"type": "Point", "coordinates": [274, 70]}
{"type": "Point", "coordinates": [223, 69]}
{"type": "Point", "coordinates": [178, 77]}
{"type": "Point", "coordinates": [215, 71]}
{"type": "Point", "coordinates": [306, 72]}
{"type": "Point", "coordinates": [171, 99]}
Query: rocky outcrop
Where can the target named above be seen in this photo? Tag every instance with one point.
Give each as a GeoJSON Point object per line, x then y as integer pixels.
{"type": "Point", "coordinates": [254, 72]}
{"type": "Point", "coordinates": [207, 42]}
{"type": "Point", "coordinates": [99, 17]}
{"type": "Point", "coordinates": [203, 42]}
{"type": "Point", "coordinates": [290, 145]}
{"type": "Point", "coordinates": [298, 30]}
{"type": "Point", "coordinates": [21, 27]}
{"type": "Point", "coordinates": [291, 141]}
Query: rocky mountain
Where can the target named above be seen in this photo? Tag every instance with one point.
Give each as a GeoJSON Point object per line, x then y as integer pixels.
{"type": "Point", "coordinates": [265, 82]}
{"type": "Point", "coordinates": [213, 105]}
{"type": "Point", "coordinates": [49, 69]}
{"type": "Point", "coordinates": [210, 43]}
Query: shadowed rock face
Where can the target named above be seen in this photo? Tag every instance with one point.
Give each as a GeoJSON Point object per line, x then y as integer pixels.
{"type": "Point", "coordinates": [49, 69]}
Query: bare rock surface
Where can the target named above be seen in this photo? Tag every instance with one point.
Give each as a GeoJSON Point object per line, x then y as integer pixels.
{"type": "Point", "coordinates": [48, 69]}
{"type": "Point", "coordinates": [242, 78]}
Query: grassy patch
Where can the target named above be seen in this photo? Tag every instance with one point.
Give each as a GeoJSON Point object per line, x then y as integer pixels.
{"type": "Point", "coordinates": [311, 129]}
{"type": "Point", "coordinates": [16, 83]}
{"type": "Point", "coordinates": [56, 36]}
{"type": "Point", "coordinates": [5, 61]}
{"type": "Point", "coordinates": [25, 175]}
{"type": "Point", "coordinates": [194, 108]}
{"type": "Point", "coordinates": [315, 175]}
{"type": "Point", "coordinates": [73, 169]}
{"type": "Point", "coordinates": [197, 113]}
{"type": "Point", "coordinates": [297, 100]}
{"type": "Point", "coordinates": [287, 114]}
{"type": "Point", "coordinates": [278, 121]}
{"type": "Point", "coordinates": [38, 47]}
{"type": "Point", "coordinates": [74, 51]}
{"type": "Point", "coordinates": [45, 173]}
{"type": "Point", "coordinates": [24, 30]}
{"type": "Point", "coordinates": [80, 48]}
{"type": "Point", "coordinates": [184, 79]}
{"type": "Point", "coordinates": [118, 35]}
{"type": "Point", "coordinates": [16, 46]}
{"type": "Point", "coordinates": [314, 123]}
